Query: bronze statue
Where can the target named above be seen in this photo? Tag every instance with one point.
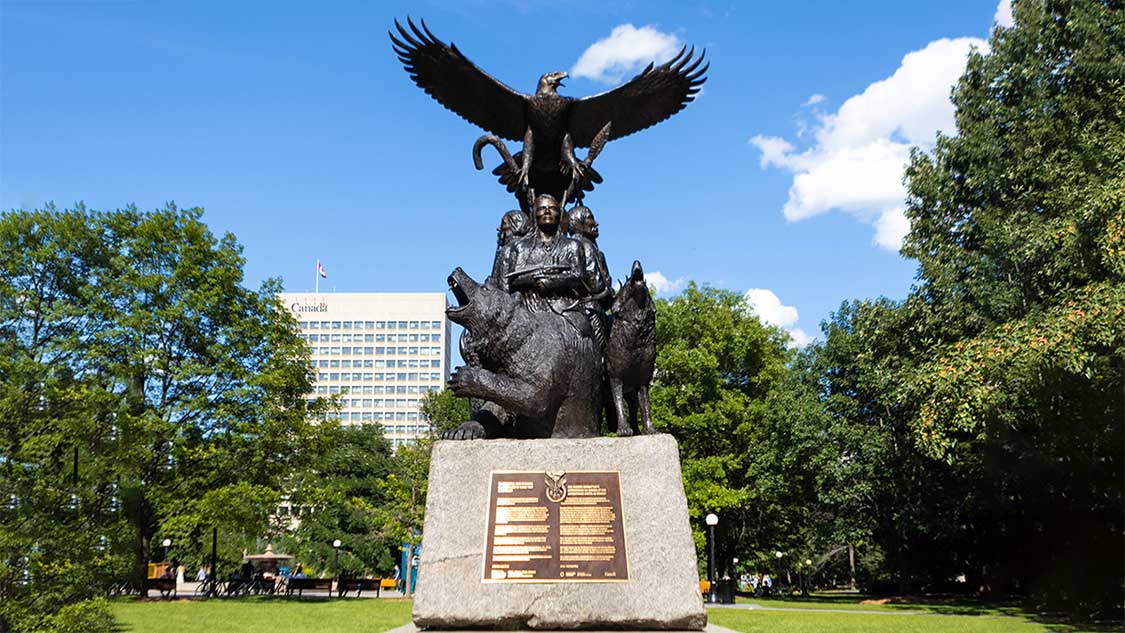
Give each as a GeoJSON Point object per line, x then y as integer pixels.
{"type": "Point", "coordinates": [533, 363]}
{"type": "Point", "coordinates": [631, 355]}
{"type": "Point", "coordinates": [549, 124]}
{"type": "Point", "coordinates": [541, 351]}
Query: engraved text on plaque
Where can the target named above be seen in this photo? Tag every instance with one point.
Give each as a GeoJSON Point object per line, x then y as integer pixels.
{"type": "Point", "coordinates": [555, 527]}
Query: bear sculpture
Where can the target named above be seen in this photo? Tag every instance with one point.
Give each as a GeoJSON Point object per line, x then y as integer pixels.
{"type": "Point", "coordinates": [533, 363]}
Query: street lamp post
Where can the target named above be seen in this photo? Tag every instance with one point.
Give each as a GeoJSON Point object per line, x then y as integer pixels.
{"type": "Point", "coordinates": [712, 520]}
{"type": "Point", "coordinates": [777, 577]}
{"type": "Point", "coordinates": [808, 573]}
{"type": "Point", "coordinates": [336, 563]}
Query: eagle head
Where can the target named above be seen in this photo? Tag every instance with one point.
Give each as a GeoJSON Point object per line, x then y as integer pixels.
{"type": "Point", "coordinates": [551, 81]}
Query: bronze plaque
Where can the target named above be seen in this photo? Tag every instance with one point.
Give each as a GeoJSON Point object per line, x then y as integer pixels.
{"type": "Point", "coordinates": [555, 527]}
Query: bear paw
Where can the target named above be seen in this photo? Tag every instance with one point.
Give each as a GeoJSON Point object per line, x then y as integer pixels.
{"type": "Point", "coordinates": [471, 430]}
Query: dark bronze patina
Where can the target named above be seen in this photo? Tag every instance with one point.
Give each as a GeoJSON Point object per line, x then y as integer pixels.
{"type": "Point", "coordinates": [631, 356]}
{"type": "Point", "coordinates": [551, 527]}
{"type": "Point", "coordinates": [543, 356]}
{"type": "Point", "coordinates": [550, 125]}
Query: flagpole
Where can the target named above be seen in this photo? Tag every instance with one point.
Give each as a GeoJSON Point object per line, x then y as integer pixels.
{"type": "Point", "coordinates": [316, 273]}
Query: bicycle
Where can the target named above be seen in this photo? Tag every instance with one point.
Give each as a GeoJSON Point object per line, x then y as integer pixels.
{"type": "Point", "coordinates": [211, 588]}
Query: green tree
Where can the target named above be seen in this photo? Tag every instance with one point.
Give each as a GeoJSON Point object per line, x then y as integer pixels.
{"type": "Point", "coordinates": [993, 392]}
{"type": "Point", "coordinates": [1018, 224]}
{"type": "Point", "coordinates": [142, 389]}
{"type": "Point", "coordinates": [747, 431]}
{"type": "Point", "coordinates": [444, 410]}
{"type": "Point", "coordinates": [339, 497]}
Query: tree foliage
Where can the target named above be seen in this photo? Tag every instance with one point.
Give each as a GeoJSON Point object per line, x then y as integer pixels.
{"type": "Point", "coordinates": [340, 496]}
{"type": "Point", "coordinates": [143, 392]}
{"type": "Point", "coordinates": [745, 430]}
{"type": "Point", "coordinates": [996, 384]}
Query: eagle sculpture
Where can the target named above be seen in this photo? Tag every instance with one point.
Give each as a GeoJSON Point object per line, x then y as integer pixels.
{"type": "Point", "coordinates": [549, 124]}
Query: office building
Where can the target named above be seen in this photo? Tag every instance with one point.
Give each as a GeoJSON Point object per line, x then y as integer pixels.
{"type": "Point", "coordinates": [381, 352]}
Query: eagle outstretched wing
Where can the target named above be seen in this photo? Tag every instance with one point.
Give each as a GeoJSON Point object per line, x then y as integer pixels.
{"type": "Point", "coordinates": [458, 84]}
{"type": "Point", "coordinates": [655, 94]}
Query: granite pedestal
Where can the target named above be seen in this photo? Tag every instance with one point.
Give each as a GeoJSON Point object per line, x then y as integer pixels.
{"type": "Point", "coordinates": [662, 590]}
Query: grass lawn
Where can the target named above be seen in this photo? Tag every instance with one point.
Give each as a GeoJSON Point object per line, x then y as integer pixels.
{"type": "Point", "coordinates": [268, 615]}
{"type": "Point", "coordinates": [805, 621]}
{"type": "Point", "coordinates": [264, 615]}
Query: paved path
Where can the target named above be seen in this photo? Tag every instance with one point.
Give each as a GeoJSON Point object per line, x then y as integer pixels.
{"type": "Point", "coordinates": [758, 607]}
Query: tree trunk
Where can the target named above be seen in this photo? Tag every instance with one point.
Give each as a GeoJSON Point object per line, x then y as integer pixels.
{"type": "Point", "coordinates": [851, 566]}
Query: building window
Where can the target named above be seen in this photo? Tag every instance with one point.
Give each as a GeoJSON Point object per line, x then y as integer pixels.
{"type": "Point", "coordinates": [347, 325]}
{"type": "Point", "coordinates": [435, 324]}
{"type": "Point", "coordinates": [390, 325]}
{"type": "Point", "coordinates": [414, 325]}
{"type": "Point", "coordinates": [335, 325]}
{"type": "Point", "coordinates": [436, 338]}
{"type": "Point", "coordinates": [401, 390]}
{"type": "Point", "coordinates": [402, 375]}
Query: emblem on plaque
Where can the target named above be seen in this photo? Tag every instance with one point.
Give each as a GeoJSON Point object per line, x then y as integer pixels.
{"type": "Point", "coordinates": [556, 486]}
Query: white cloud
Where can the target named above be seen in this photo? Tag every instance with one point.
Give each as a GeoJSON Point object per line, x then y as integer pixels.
{"type": "Point", "coordinates": [1003, 16]}
{"type": "Point", "coordinates": [626, 50]}
{"type": "Point", "coordinates": [814, 99]}
{"type": "Point", "coordinates": [799, 337]}
{"type": "Point", "coordinates": [856, 162]}
{"type": "Point", "coordinates": [891, 228]}
{"type": "Point", "coordinates": [662, 285]}
{"type": "Point", "coordinates": [769, 309]}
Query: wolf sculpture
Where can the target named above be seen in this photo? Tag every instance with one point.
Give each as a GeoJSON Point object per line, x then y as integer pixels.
{"type": "Point", "coordinates": [534, 364]}
{"type": "Point", "coordinates": [631, 353]}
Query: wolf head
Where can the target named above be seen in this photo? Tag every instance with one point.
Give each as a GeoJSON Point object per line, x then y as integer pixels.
{"type": "Point", "coordinates": [481, 308]}
{"type": "Point", "coordinates": [633, 297]}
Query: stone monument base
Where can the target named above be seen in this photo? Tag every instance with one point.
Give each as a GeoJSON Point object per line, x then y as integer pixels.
{"type": "Point", "coordinates": [653, 586]}
{"type": "Point", "coordinates": [710, 628]}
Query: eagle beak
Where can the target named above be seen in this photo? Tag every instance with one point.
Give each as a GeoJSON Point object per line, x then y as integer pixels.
{"type": "Point", "coordinates": [561, 77]}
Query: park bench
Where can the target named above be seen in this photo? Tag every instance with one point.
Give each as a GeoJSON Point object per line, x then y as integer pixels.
{"type": "Point", "coordinates": [300, 584]}
{"type": "Point", "coordinates": [387, 583]}
{"type": "Point", "coordinates": [166, 586]}
{"type": "Point", "coordinates": [359, 585]}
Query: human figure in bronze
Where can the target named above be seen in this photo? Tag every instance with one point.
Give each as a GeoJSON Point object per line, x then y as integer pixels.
{"type": "Point", "coordinates": [513, 225]}
{"type": "Point", "coordinates": [583, 228]}
{"type": "Point", "coordinates": [547, 267]}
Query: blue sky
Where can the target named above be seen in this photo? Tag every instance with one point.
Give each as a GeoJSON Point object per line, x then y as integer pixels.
{"type": "Point", "coordinates": [297, 130]}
